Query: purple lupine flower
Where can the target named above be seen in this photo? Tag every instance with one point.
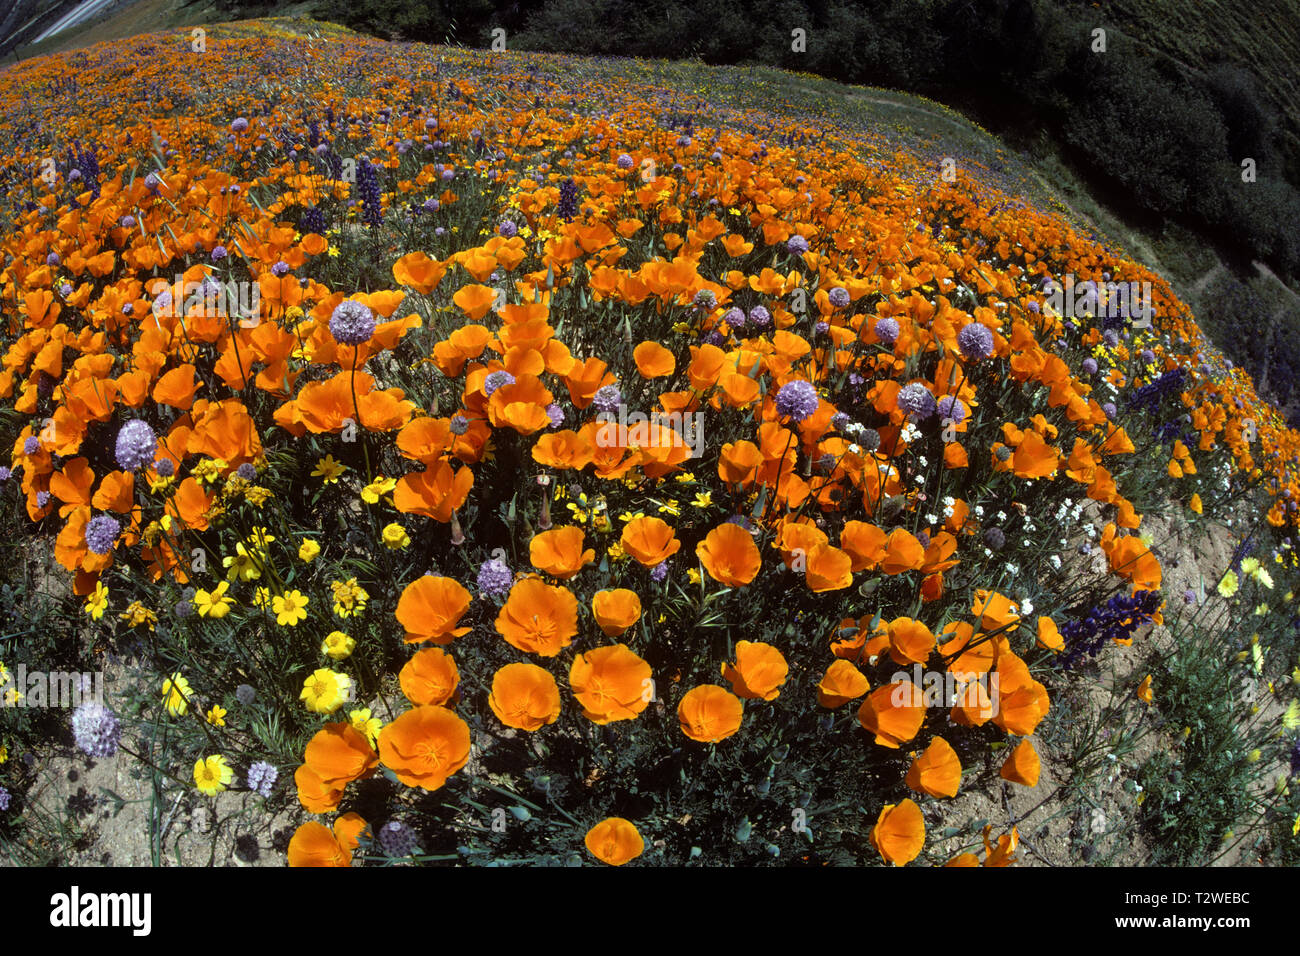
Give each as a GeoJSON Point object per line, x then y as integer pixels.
{"type": "Point", "coordinates": [797, 245]}
{"type": "Point", "coordinates": [42, 499]}
{"type": "Point", "coordinates": [1090, 366]}
{"type": "Point", "coordinates": [607, 398]}
{"type": "Point", "coordinates": [101, 534]}
{"type": "Point", "coordinates": [5, 473]}
{"type": "Point", "coordinates": [796, 400]}
{"type": "Point", "coordinates": [262, 777]}
{"type": "Point", "coordinates": [498, 379]}
{"type": "Point", "coordinates": [975, 341]}
{"type": "Point", "coordinates": [917, 400]}
{"type": "Point", "coordinates": [495, 578]}
{"type": "Point", "coordinates": [136, 445]}
{"type": "Point", "coordinates": [886, 330]}
{"type": "Point", "coordinates": [5, 798]}
{"type": "Point", "coordinates": [96, 729]}
{"type": "Point", "coordinates": [397, 839]}
{"type": "Point", "coordinates": [839, 297]}
{"type": "Point", "coordinates": [352, 322]}
{"type": "Point", "coordinates": [951, 407]}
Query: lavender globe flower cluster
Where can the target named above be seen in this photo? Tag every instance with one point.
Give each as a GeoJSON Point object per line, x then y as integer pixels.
{"type": "Point", "coordinates": [796, 400]}
{"type": "Point", "coordinates": [96, 729]}
{"type": "Point", "coordinates": [262, 777]}
{"type": "Point", "coordinates": [975, 341]}
{"type": "Point", "coordinates": [352, 323]}
{"type": "Point", "coordinates": [495, 578]}
{"type": "Point", "coordinates": [917, 401]}
{"type": "Point", "coordinates": [101, 533]}
{"type": "Point", "coordinates": [136, 445]}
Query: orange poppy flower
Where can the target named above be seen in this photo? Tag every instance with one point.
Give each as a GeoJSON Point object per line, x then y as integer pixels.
{"type": "Point", "coordinates": [614, 841]}
{"type": "Point", "coordinates": [564, 449]}
{"type": "Point", "coordinates": [616, 610]}
{"type": "Point", "coordinates": [910, 642]}
{"type": "Point", "coordinates": [903, 552]}
{"type": "Point", "coordinates": [729, 554]}
{"type": "Point", "coordinates": [653, 360]}
{"type": "Point", "coordinates": [936, 771]}
{"type": "Point", "coordinates": [1049, 636]}
{"type": "Point", "coordinates": [475, 300]}
{"type": "Point", "coordinates": [650, 540]}
{"type": "Point", "coordinates": [314, 844]}
{"type": "Point", "coordinates": [841, 683]}
{"type": "Point", "coordinates": [995, 610]}
{"type": "Point", "coordinates": [1022, 765]}
{"type": "Point", "coordinates": [738, 462]}
{"type": "Point", "coordinates": [524, 696]}
{"type": "Point", "coordinates": [431, 607]}
{"type": "Point", "coordinates": [828, 569]}
{"type": "Point", "coordinates": [430, 677]}
{"type": "Point", "coordinates": [538, 618]}
{"type": "Point", "coordinates": [710, 713]}
{"type": "Point", "coordinates": [559, 552]}
{"type": "Point", "coordinates": [865, 544]}
{"type": "Point", "coordinates": [899, 833]}
{"type": "Point", "coordinates": [435, 492]}
{"type": "Point", "coordinates": [338, 755]}
{"type": "Point", "coordinates": [759, 671]}
{"type": "Point", "coordinates": [177, 388]}
{"type": "Point", "coordinates": [1022, 701]}
{"type": "Point", "coordinates": [611, 683]}
{"type": "Point", "coordinates": [973, 706]}
{"type": "Point", "coordinates": [313, 793]}
{"type": "Point", "coordinates": [417, 271]}
{"type": "Point", "coordinates": [893, 713]}
{"type": "Point", "coordinates": [425, 746]}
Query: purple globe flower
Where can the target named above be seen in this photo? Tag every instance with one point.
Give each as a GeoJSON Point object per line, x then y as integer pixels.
{"type": "Point", "coordinates": [734, 317]}
{"type": "Point", "coordinates": [165, 467]}
{"type": "Point", "coordinates": [797, 245]}
{"type": "Point", "coordinates": [607, 398]}
{"type": "Point", "coordinates": [280, 269]}
{"type": "Point", "coordinates": [96, 729]}
{"type": "Point", "coordinates": [352, 323]}
{"type": "Point", "coordinates": [52, 259]}
{"type": "Point", "coordinates": [239, 124]}
{"type": "Point", "coordinates": [101, 533]}
{"type": "Point", "coordinates": [1111, 338]}
{"type": "Point", "coordinates": [218, 253]}
{"type": "Point", "coordinates": [136, 445]}
{"type": "Point", "coordinates": [1090, 366]}
{"type": "Point", "coordinates": [459, 424]}
{"type": "Point", "coordinates": [498, 379]}
{"type": "Point", "coordinates": [507, 229]}
{"type": "Point", "coordinates": [31, 445]}
{"type": "Point", "coordinates": [1110, 410]}
{"type": "Point", "coordinates": [5, 473]}
{"type": "Point", "coordinates": [975, 341]}
{"type": "Point", "coordinates": [245, 694]}
{"type": "Point", "coordinates": [397, 839]}
{"type": "Point", "coordinates": [796, 400]}
{"type": "Point", "coordinates": [821, 328]}
{"type": "Point", "coordinates": [839, 297]}
{"type": "Point", "coordinates": [1147, 356]}
{"type": "Point", "coordinates": [659, 572]}
{"type": "Point", "coordinates": [624, 161]}
{"type": "Point", "coordinates": [705, 299]}
{"type": "Point", "coordinates": [886, 330]}
{"type": "Point", "coordinates": [495, 578]}
{"type": "Point", "coordinates": [262, 777]}
{"type": "Point", "coordinates": [760, 317]}
{"type": "Point", "coordinates": [917, 401]}
{"type": "Point", "coordinates": [951, 407]}
{"type": "Point", "coordinates": [247, 471]}
{"type": "Point", "coordinates": [5, 798]}
{"type": "Point", "coordinates": [556, 415]}
{"type": "Point", "coordinates": [127, 222]}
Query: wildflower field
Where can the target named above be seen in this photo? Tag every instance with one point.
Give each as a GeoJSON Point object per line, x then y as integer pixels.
{"type": "Point", "coordinates": [489, 458]}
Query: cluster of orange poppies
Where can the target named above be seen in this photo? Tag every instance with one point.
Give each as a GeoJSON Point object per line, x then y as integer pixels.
{"type": "Point", "coordinates": [705, 271]}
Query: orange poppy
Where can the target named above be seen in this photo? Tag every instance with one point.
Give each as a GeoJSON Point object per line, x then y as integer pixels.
{"type": "Point", "coordinates": [1049, 636]}
{"type": "Point", "coordinates": [614, 841]}
{"type": "Point", "coordinates": [538, 617]}
{"type": "Point", "coordinates": [417, 271]}
{"type": "Point", "coordinates": [611, 683]}
{"type": "Point", "coordinates": [314, 844]}
{"type": "Point", "coordinates": [430, 677]}
{"type": "Point", "coordinates": [893, 713]}
{"type": "Point", "coordinates": [435, 492]}
{"type": "Point", "coordinates": [338, 755]}
{"type": "Point", "coordinates": [431, 607]}
{"type": "Point", "coordinates": [559, 552]}
{"type": "Point", "coordinates": [710, 713]}
{"type": "Point", "coordinates": [903, 552]}
{"type": "Point", "coordinates": [653, 360]}
{"type": "Point", "coordinates": [759, 671]}
{"type": "Point", "coordinates": [936, 771]}
{"type": "Point", "coordinates": [910, 642]}
{"type": "Point", "coordinates": [1022, 765]}
{"type": "Point", "coordinates": [650, 540]}
{"type": "Point", "coordinates": [425, 746]}
{"type": "Point", "coordinates": [899, 833]}
{"type": "Point", "coordinates": [616, 610]}
{"type": "Point", "coordinates": [865, 544]}
{"type": "Point", "coordinates": [313, 793]}
{"type": "Point", "coordinates": [729, 554]}
{"type": "Point", "coordinates": [1022, 701]}
{"type": "Point", "coordinates": [828, 569]}
{"type": "Point", "coordinates": [841, 683]}
{"type": "Point", "coordinates": [524, 696]}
